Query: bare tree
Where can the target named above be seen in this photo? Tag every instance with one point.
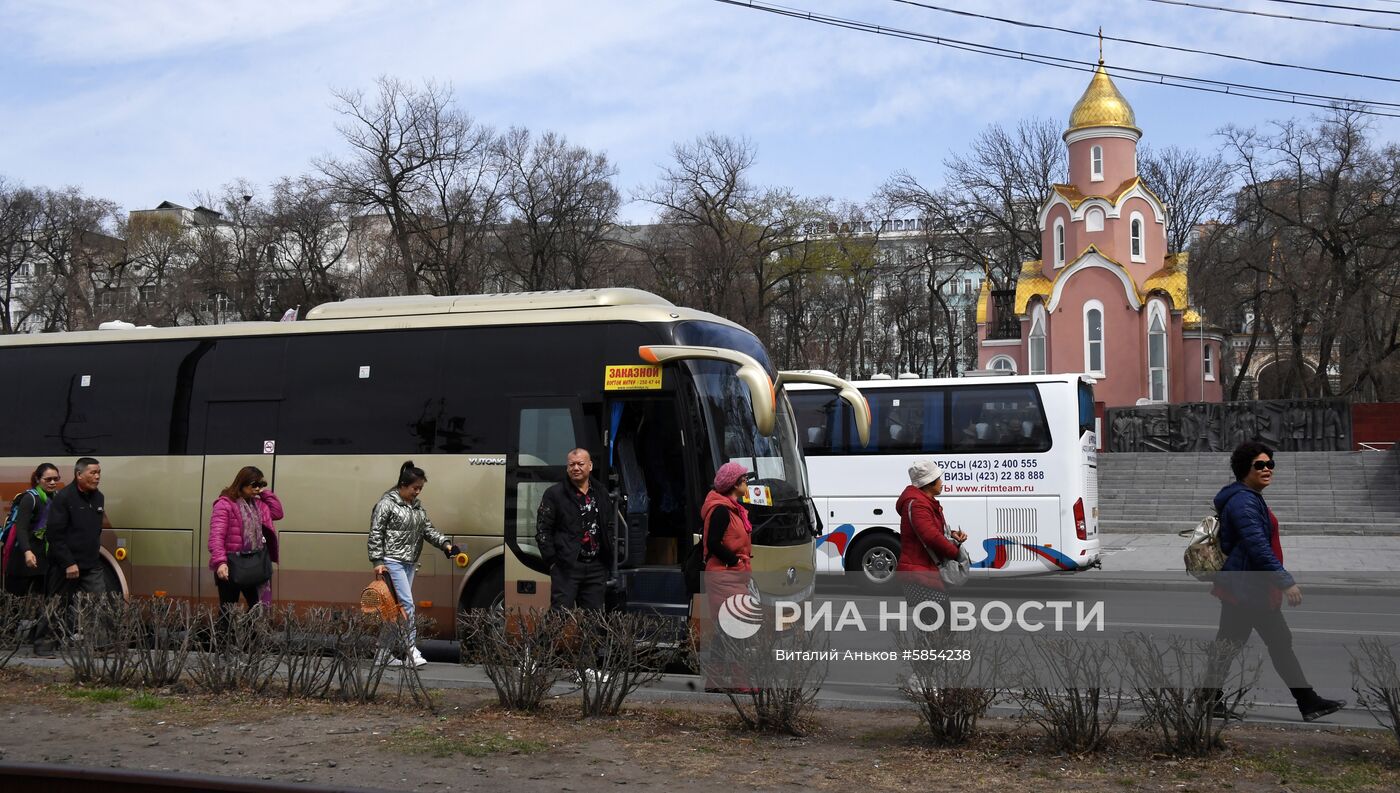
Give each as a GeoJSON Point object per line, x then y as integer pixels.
{"type": "Point", "coordinates": [309, 236]}
{"type": "Point", "coordinates": [562, 205]}
{"type": "Point", "coordinates": [1194, 186]}
{"type": "Point", "coordinates": [428, 169]}
{"type": "Point", "coordinates": [19, 213]}
{"type": "Point", "coordinates": [72, 238]}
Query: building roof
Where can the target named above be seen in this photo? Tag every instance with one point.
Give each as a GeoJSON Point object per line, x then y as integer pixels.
{"type": "Point", "coordinates": [1030, 283]}
{"type": "Point", "coordinates": [1071, 193]}
{"type": "Point", "coordinates": [1172, 280]}
{"type": "Point", "coordinates": [1102, 105]}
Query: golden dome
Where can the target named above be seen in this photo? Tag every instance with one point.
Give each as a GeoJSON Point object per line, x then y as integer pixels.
{"type": "Point", "coordinates": [1102, 105]}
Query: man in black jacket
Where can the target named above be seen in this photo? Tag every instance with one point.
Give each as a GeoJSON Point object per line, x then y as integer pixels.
{"type": "Point", "coordinates": [75, 534]}
{"type": "Point", "coordinates": [573, 529]}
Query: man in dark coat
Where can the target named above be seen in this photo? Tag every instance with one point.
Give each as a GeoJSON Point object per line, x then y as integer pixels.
{"type": "Point", "coordinates": [573, 528]}
{"type": "Point", "coordinates": [74, 535]}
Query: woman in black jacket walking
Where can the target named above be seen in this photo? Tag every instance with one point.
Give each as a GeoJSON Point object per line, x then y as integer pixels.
{"type": "Point", "coordinates": [26, 555]}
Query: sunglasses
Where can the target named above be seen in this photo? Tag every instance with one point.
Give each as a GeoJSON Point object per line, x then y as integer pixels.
{"type": "Point", "coordinates": [258, 484]}
{"type": "Point", "coordinates": [51, 479]}
{"type": "Point", "coordinates": [1260, 465]}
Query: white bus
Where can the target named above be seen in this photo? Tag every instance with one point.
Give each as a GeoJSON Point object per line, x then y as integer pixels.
{"type": "Point", "coordinates": [1020, 472]}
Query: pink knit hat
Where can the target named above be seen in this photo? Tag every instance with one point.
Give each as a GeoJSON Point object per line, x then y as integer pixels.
{"type": "Point", "coordinates": [728, 476]}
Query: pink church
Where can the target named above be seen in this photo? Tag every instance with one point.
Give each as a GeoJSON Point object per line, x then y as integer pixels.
{"type": "Point", "coordinates": [1108, 298]}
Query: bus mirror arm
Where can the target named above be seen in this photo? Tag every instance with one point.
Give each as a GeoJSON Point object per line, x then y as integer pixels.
{"type": "Point", "coordinates": [860, 408]}
{"type": "Point", "coordinates": [762, 391]}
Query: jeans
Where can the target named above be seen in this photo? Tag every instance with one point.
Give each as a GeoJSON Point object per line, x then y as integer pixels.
{"type": "Point", "coordinates": [401, 578]}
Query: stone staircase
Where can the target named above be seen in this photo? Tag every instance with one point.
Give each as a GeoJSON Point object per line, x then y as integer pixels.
{"type": "Point", "coordinates": [1312, 492]}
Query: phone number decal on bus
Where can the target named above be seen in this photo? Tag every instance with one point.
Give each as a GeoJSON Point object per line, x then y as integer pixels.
{"type": "Point", "coordinates": [632, 377]}
{"type": "Point", "coordinates": [992, 470]}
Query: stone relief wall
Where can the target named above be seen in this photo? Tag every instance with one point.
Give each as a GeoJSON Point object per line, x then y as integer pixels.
{"type": "Point", "coordinates": [1288, 425]}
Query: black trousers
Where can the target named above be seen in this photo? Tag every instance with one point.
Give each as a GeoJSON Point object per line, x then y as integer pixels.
{"type": "Point", "coordinates": [581, 584]}
{"type": "Point", "coordinates": [1237, 622]}
{"type": "Point", "coordinates": [23, 585]}
{"type": "Point", "coordinates": [61, 586]}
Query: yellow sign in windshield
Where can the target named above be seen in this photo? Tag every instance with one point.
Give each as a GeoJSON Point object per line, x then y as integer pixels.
{"type": "Point", "coordinates": [632, 378]}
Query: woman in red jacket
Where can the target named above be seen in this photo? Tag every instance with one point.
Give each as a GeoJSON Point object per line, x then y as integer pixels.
{"type": "Point", "coordinates": [924, 539]}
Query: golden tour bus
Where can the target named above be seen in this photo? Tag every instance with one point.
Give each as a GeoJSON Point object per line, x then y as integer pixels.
{"type": "Point", "coordinates": [486, 393]}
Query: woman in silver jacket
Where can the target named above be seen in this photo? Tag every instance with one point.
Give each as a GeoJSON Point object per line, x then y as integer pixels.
{"type": "Point", "coordinates": [398, 527]}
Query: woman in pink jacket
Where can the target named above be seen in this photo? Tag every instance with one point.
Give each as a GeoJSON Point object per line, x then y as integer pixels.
{"type": "Point", "coordinates": [242, 520]}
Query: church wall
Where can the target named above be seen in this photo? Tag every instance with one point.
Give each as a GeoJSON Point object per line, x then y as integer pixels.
{"type": "Point", "coordinates": [1119, 164]}
{"type": "Point", "coordinates": [1125, 342]}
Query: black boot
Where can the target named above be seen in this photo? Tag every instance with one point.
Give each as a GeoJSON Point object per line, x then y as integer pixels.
{"type": "Point", "coordinates": [1313, 706]}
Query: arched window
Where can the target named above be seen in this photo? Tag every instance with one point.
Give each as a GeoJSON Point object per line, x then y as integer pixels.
{"type": "Point", "coordinates": [1060, 242]}
{"type": "Point", "coordinates": [1156, 351]}
{"type": "Point", "coordinates": [1037, 340]}
{"type": "Point", "coordinates": [1135, 234]}
{"type": "Point", "coordinates": [1093, 337]}
{"type": "Point", "coordinates": [1002, 363]}
{"type": "Point", "coordinates": [1093, 220]}
{"type": "Point", "coordinates": [1096, 164]}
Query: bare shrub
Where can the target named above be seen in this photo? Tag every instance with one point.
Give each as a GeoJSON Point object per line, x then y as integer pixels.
{"type": "Point", "coordinates": [521, 654]}
{"type": "Point", "coordinates": [1068, 695]}
{"type": "Point", "coordinates": [242, 651]}
{"type": "Point", "coordinates": [770, 695]}
{"type": "Point", "coordinates": [306, 642]}
{"type": "Point", "coordinates": [614, 653]}
{"type": "Point", "coordinates": [1179, 682]}
{"type": "Point", "coordinates": [97, 637]}
{"type": "Point", "coordinates": [164, 640]}
{"type": "Point", "coordinates": [945, 683]}
{"type": "Point", "coordinates": [18, 616]}
{"type": "Point", "coordinates": [1376, 682]}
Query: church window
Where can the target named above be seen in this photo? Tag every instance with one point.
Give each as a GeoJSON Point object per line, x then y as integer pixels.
{"type": "Point", "coordinates": [1096, 163]}
{"type": "Point", "coordinates": [1207, 362]}
{"type": "Point", "coordinates": [1037, 340]}
{"type": "Point", "coordinates": [1093, 220]}
{"type": "Point", "coordinates": [1093, 337]}
{"type": "Point", "coordinates": [1060, 243]}
{"type": "Point", "coordinates": [1156, 352]}
{"type": "Point", "coordinates": [1135, 232]}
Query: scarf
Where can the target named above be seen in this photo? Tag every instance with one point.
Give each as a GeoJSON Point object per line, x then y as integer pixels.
{"type": "Point", "coordinates": [252, 524]}
{"type": "Point", "coordinates": [743, 513]}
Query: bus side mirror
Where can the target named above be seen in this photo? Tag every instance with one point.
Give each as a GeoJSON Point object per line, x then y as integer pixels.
{"type": "Point", "coordinates": [762, 392]}
{"type": "Point", "coordinates": [860, 408]}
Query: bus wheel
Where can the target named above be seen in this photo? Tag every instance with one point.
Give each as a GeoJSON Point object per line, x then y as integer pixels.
{"type": "Point", "coordinates": [875, 557]}
{"type": "Point", "coordinates": [488, 593]}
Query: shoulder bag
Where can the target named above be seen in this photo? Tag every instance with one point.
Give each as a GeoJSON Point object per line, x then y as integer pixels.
{"type": "Point", "coordinates": [248, 569]}
{"type": "Point", "coordinates": [953, 571]}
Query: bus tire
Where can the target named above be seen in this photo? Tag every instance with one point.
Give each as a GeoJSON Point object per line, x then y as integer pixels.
{"type": "Point", "coordinates": [874, 556]}
{"type": "Point", "coordinates": [489, 591]}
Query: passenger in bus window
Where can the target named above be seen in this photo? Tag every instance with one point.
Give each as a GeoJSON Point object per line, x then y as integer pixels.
{"type": "Point", "coordinates": [924, 539]}
{"type": "Point", "coordinates": [397, 528]}
{"type": "Point", "coordinates": [573, 528]}
{"type": "Point", "coordinates": [243, 519]}
{"type": "Point", "coordinates": [74, 535]}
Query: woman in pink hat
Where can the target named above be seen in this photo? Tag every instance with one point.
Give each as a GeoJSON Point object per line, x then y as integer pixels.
{"type": "Point", "coordinates": [728, 533]}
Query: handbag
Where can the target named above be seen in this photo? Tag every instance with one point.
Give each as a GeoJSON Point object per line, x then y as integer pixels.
{"type": "Point", "coordinates": [248, 569]}
{"type": "Point", "coordinates": [1203, 557]}
{"type": "Point", "coordinates": [952, 571]}
{"type": "Point", "coordinates": [378, 598]}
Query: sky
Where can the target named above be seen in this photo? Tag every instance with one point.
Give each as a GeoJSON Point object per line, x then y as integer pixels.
{"type": "Point", "coordinates": [142, 101]}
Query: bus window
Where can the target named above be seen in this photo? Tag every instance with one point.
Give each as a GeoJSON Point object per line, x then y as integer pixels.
{"type": "Point", "coordinates": [1006, 418]}
{"type": "Point", "coordinates": [819, 416]}
{"type": "Point", "coordinates": [904, 421]}
{"type": "Point", "coordinates": [1086, 408]}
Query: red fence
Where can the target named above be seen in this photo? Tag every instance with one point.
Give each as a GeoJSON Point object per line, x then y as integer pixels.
{"type": "Point", "coordinates": [1375, 425]}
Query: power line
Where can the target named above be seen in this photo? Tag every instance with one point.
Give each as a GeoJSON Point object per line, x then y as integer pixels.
{"type": "Point", "coordinates": [1334, 6]}
{"type": "Point", "coordinates": [1140, 43]}
{"type": "Point", "coordinates": [1124, 73]}
{"type": "Point", "coordinates": [1275, 16]}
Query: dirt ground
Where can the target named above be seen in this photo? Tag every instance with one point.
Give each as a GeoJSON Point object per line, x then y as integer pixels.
{"type": "Point", "coordinates": [470, 743]}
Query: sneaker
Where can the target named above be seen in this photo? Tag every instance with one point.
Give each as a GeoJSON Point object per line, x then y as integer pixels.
{"type": "Point", "coordinates": [385, 659]}
{"type": "Point", "coordinates": [416, 658]}
{"type": "Point", "coordinates": [1322, 707]}
{"type": "Point", "coordinates": [597, 677]}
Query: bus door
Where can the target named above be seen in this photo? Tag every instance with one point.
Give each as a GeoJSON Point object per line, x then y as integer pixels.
{"type": "Point", "coordinates": [543, 430]}
{"type": "Point", "coordinates": [649, 463]}
{"type": "Point", "coordinates": [229, 429]}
